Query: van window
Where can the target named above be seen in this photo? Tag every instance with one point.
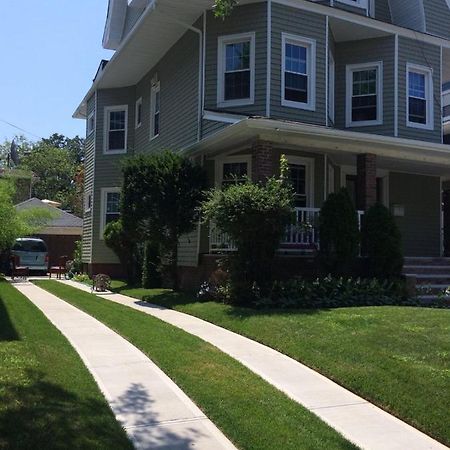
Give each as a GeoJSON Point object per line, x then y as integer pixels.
{"type": "Point", "coordinates": [30, 246]}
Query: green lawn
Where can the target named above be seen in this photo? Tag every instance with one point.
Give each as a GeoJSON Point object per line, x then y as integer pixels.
{"type": "Point", "coordinates": [48, 399]}
{"type": "Point", "coordinates": [396, 357]}
{"type": "Point", "coordinates": [251, 412]}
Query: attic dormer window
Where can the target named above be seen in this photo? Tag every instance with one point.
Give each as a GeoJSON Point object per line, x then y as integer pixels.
{"type": "Point", "coordinates": [236, 70]}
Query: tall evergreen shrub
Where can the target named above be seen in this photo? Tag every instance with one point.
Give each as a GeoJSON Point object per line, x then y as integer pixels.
{"type": "Point", "coordinates": [339, 234]}
{"type": "Point", "coordinates": [382, 243]}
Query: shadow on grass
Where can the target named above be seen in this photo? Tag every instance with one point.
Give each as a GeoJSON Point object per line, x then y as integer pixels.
{"type": "Point", "coordinates": [7, 330]}
{"type": "Point", "coordinates": [40, 414]}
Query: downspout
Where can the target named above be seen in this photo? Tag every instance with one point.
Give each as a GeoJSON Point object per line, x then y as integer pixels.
{"type": "Point", "coordinates": [269, 58]}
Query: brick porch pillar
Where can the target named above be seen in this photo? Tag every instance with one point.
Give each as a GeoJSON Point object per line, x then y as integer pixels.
{"type": "Point", "coordinates": [263, 165]}
{"type": "Point", "coordinates": [366, 185]}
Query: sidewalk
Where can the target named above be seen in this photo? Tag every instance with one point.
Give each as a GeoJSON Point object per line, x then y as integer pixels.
{"type": "Point", "coordinates": [153, 410]}
{"type": "Point", "coordinates": [359, 421]}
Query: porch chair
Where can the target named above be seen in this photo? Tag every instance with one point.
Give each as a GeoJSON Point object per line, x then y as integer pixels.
{"type": "Point", "coordinates": [18, 271]}
{"type": "Point", "coordinates": [60, 269]}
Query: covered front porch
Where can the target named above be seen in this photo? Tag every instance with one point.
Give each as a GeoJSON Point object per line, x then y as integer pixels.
{"type": "Point", "coordinates": [407, 177]}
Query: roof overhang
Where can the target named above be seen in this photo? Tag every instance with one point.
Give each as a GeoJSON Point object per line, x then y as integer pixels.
{"type": "Point", "coordinates": [61, 231]}
{"type": "Point", "coordinates": [326, 140]}
{"type": "Point", "coordinates": [164, 22]}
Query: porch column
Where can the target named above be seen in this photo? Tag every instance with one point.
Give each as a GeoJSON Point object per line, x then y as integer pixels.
{"type": "Point", "coordinates": [263, 166]}
{"type": "Point", "coordinates": [366, 185]}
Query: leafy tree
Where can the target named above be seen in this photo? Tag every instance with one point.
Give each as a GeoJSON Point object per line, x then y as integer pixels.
{"type": "Point", "coordinates": [120, 243]}
{"type": "Point", "coordinates": [223, 8]}
{"type": "Point", "coordinates": [160, 200]}
{"type": "Point", "coordinates": [54, 173]}
{"type": "Point", "coordinates": [382, 243]}
{"type": "Point", "coordinates": [339, 234]}
{"type": "Point", "coordinates": [73, 146]}
{"type": "Point", "coordinates": [255, 216]}
{"type": "Point", "coordinates": [14, 224]}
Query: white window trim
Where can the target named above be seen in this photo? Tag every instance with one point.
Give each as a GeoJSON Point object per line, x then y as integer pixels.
{"type": "Point", "coordinates": [350, 68]}
{"type": "Point", "coordinates": [231, 159]}
{"type": "Point", "coordinates": [87, 197]}
{"type": "Point", "coordinates": [107, 110]}
{"type": "Point", "coordinates": [429, 90]}
{"type": "Point", "coordinates": [309, 176]}
{"type": "Point", "coordinates": [136, 115]}
{"type": "Point", "coordinates": [364, 4]}
{"type": "Point", "coordinates": [310, 45]}
{"type": "Point", "coordinates": [156, 87]}
{"type": "Point", "coordinates": [104, 192]}
{"type": "Point", "coordinates": [222, 42]}
{"type": "Point", "coordinates": [90, 116]}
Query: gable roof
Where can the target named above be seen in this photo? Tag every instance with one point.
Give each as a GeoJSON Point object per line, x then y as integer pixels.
{"type": "Point", "coordinates": [64, 219]}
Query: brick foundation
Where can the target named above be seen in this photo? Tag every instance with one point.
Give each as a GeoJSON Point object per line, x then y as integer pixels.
{"type": "Point", "coordinates": [113, 270]}
{"type": "Point", "coordinates": [366, 181]}
{"type": "Point", "coordinates": [285, 267]}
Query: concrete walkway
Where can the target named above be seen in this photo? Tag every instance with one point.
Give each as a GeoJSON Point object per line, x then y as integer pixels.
{"type": "Point", "coordinates": [155, 413]}
{"type": "Point", "coordinates": [359, 421]}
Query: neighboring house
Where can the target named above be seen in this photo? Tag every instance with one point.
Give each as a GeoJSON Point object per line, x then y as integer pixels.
{"type": "Point", "coordinates": [352, 91]}
{"type": "Point", "coordinates": [61, 233]}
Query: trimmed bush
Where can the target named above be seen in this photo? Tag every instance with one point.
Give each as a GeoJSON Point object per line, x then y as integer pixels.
{"type": "Point", "coordinates": [382, 243]}
{"type": "Point", "coordinates": [151, 277]}
{"type": "Point", "coordinates": [255, 216]}
{"type": "Point", "coordinates": [339, 234]}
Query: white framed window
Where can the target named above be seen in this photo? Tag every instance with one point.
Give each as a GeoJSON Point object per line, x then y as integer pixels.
{"type": "Point", "coordinates": [91, 123]}
{"type": "Point", "coordinates": [155, 110]}
{"type": "Point", "coordinates": [419, 101]}
{"type": "Point", "coordinates": [233, 169]}
{"type": "Point", "coordinates": [356, 3]}
{"type": "Point", "coordinates": [110, 207]}
{"type": "Point", "coordinates": [298, 76]}
{"type": "Point", "coordinates": [236, 70]}
{"type": "Point", "coordinates": [301, 174]}
{"type": "Point", "coordinates": [116, 129]}
{"type": "Point", "coordinates": [87, 202]}
{"type": "Point", "coordinates": [138, 113]}
{"type": "Point", "coordinates": [364, 94]}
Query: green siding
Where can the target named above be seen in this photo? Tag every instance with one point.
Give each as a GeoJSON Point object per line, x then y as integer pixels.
{"type": "Point", "coordinates": [107, 167]}
{"type": "Point", "coordinates": [210, 127]}
{"type": "Point", "coordinates": [420, 227]}
{"type": "Point", "coordinates": [244, 19]}
{"type": "Point", "coordinates": [360, 52]}
{"type": "Point", "coordinates": [383, 11]}
{"type": "Point", "coordinates": [303, 24]}
{"type": "Point", "coordinates": [437, 16]}
{"type": "Point", "coordinates": [89, 164]}
{"type": "Point", "coordinates": [178, 75]}
{"type": "Point", "coordinates": [425, 55]}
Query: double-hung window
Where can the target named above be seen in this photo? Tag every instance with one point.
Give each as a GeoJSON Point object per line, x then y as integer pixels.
{"type": "Point", "coordinates": [298, 72]}
{"type": "Point", "coordinates": [110, 207]}
{"type": "Point", "coordinates": [155, 109]}
{"type": "Point", "coordinates": [138, 113]}
{"type": "Point", "coordinates": [233, 170]}
{"type": "Point", "coordinates": [419, 106]}
{"type": "Point", "coordinates": [91, 123]}
{"type": "Point", "coordinates": [364, 104]}
{"type": "Point", "coordinates": [236, 70]}
{"type": "Point", "coordinates": [116, 124]}
{"type": "Point", "coordinates": [301, 173]}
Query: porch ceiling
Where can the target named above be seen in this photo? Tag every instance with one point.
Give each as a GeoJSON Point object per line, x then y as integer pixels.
{"type": "Point", "coordinates": [342, 145]}
{"type": "Point", "coordinates": [347, 31]}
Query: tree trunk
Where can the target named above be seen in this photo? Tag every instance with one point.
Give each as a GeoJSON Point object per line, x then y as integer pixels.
{"type": "Point", "coordinates": [174, 262]}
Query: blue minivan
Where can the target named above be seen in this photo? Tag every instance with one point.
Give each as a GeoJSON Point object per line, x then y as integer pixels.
{"type": "Point", "coordinates": [32, 253]}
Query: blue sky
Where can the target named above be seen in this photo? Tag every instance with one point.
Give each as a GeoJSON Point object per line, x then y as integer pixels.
{"type": "Point", "coordinates": [50, 51]}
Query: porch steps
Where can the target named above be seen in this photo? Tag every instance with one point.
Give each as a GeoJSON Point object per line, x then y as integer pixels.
{"type": "Point", "coordinates": [432, 276]}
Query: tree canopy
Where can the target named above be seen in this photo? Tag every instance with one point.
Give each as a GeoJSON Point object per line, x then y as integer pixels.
{"type": "Point", "coordinates": [160, 200]}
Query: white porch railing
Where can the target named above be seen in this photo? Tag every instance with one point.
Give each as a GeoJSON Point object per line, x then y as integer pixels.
{"type": "Point", "coordinates": [302, 236]}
